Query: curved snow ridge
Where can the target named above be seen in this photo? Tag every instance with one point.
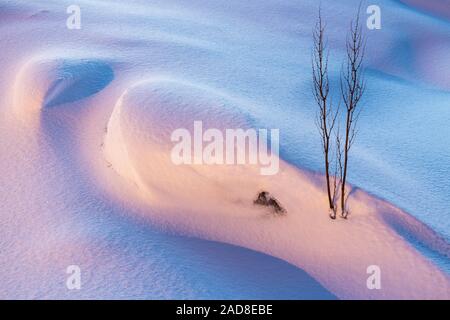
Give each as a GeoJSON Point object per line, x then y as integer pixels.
{"type": "Point", "coordinates": [216, 202]}
{"type": "Point", "coordinates": [47, 81]}
{"type": "Point", "coordinates": [417, 232]}
{"type": "Point", "coordinates": [418, 58]}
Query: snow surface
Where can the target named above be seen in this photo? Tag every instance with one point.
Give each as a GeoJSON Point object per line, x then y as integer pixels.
{"type": "Point", "coordinates": [71, 105]}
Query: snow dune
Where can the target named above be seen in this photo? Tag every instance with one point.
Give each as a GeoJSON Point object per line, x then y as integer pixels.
{"type": "Point", "coordinates": [124, 257]}
{"type": "Point", "coordinates": [85, 122]}
{"type": "Point", "coordinates": [217, 201]}
{"type": "Point", "coordinates": [47, 82]}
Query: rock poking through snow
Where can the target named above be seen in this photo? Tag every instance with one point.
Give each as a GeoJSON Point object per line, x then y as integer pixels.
{"type": "Point", "coordinates": [265, 199]}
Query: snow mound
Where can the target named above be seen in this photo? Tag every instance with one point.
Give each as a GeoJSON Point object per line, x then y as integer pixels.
{"type": "Point", "coordinates": [138, 141]}
{"type": "Point", "coordinates": [50, 82]}
{"type": "Point", "coordinates": [216, 202]}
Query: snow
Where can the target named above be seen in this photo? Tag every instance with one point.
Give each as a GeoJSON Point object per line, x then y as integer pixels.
{"type": "Point", "coordinates": [85, 178]}
{"type": "Point", "coordinates": [204, 200]}
{"type": "Point", "coordinates": [53, 81]}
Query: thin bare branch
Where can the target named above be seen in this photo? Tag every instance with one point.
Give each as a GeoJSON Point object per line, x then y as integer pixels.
{"type": "Point", "coordinates": [352, 85]}
{"type": "Point", "coordinates": [325, 115]}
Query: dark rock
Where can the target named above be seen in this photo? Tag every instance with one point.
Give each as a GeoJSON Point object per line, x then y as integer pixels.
{"type": "Point", "coordinates": [265, 199]}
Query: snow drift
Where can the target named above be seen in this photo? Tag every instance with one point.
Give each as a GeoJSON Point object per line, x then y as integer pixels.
{"type": "Point", "coordinates": [118, 211]}
{"type": "Point", "coordinates": [216, 202]}
{"type": "Point", "coordinates": [46, 82]}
